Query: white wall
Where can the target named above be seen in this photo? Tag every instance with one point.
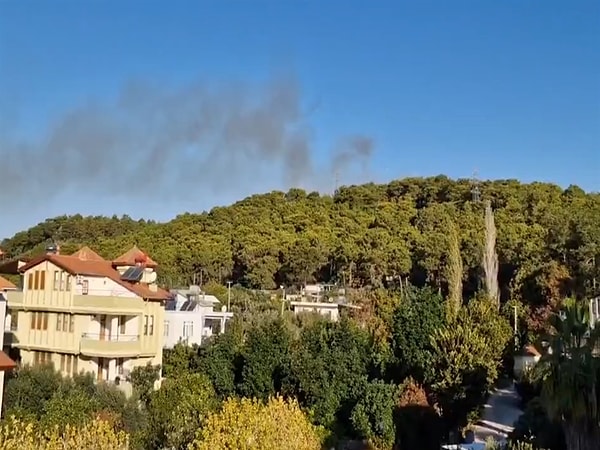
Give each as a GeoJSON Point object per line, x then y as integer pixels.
{"type": "Point", "coordinates": [4, 320]}
{"type": "Point", "coordinates": [102, 286]}
{"type": "Point", "coordinates": [328, 310]}
{"type": "Point", "coordinates": [176, 320]}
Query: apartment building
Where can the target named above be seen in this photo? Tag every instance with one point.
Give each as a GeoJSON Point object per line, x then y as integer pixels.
{"type": "Point", "coordinates": [86, 314]}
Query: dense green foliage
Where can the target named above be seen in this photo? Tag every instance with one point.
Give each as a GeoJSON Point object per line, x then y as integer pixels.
{"type": "Point", "coordinates": [368, 235]}
{"type": "Point", "coordinates": [42, 394]}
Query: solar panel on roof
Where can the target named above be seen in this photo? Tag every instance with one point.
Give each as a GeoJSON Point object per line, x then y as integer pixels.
{"type": "Point", "coordinates": [133, 274]}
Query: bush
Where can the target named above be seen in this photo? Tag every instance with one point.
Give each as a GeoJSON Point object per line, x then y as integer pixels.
{"type": "Point", "coordinates": [95, 435]}
{"type": "Point", "coordinates": [527, 388]}
{"type": "Point", "coordinates": [253, 425]}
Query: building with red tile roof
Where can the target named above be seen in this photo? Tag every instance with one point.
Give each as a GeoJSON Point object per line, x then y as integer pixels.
{"type": "Point", "coordinates": [83, 312]}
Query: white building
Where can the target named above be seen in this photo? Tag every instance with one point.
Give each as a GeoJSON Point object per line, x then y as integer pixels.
{"type": "Point", "coordinates": [325, 299]}
{"type": "Point", "coordinates": [190, 317]}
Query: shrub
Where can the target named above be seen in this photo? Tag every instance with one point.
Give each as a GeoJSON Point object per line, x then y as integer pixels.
{"type": "Point", "coordinates": [253, 425]}
{"type": "Point", "coordinates": [95, 435]}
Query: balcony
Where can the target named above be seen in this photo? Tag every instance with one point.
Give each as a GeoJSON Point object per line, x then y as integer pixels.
{"type": "Point", "coordinates": [100, 304]}
{"type": "Point", "coordinates": [103, 346]}
{"type": "Point", "coordinates": [14, 299]}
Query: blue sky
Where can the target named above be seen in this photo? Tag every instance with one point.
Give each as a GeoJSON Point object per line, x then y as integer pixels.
{"type": "Point", "coordinates": [510, 88]}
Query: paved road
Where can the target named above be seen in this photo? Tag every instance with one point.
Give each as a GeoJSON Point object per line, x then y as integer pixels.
{"type": "Point", "coordinates": [500, 413]}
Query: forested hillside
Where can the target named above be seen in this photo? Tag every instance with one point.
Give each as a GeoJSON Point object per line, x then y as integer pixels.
{"type": "Point", "coordinates": [367, 235]}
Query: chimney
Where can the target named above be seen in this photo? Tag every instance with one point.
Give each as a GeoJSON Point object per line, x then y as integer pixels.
{"type": "Point", "coordinates": [53, 249]}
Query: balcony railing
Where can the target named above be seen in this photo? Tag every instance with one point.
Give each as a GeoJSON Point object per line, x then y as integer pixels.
{"type": "Point", "coordinates": [110, 337]}
{"type": "Point", "coordinates": [105, 345]}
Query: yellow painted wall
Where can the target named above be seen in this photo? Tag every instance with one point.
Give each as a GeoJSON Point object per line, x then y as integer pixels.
{"type": "Point", "coordinates": [47, 299]}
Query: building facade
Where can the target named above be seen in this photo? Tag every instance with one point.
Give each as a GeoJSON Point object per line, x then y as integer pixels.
{"type": "Point", "coordinates": [190, 317]}
{"type": "Point", "coordinates": [325, 299]}
{"type": "Point", "coordinates": [5, 362]}
{"type": "Point", "coordinates": [85, 314]}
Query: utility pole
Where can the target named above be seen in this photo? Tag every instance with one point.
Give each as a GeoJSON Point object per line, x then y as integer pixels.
{"type": "Point", "coordinates": [516, 330]}
{"type": "Point", "coordinates": [282, 298]}
{"type": "Point", "coordinates": [229, 295]}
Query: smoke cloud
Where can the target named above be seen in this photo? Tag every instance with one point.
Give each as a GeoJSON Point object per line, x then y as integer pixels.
{"type": "Point", "coordinates": [154, 140]}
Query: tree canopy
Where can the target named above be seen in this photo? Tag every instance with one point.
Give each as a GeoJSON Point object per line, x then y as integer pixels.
{"type": "Point", "coordinates": [548, 238]}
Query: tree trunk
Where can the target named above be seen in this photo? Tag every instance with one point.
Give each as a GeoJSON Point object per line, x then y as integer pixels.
{"type": "Point", "coordinates": [579, 437]}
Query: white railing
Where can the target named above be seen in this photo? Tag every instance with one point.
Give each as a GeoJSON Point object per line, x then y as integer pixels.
{"type": "Point", "coordinates": [112, 338]}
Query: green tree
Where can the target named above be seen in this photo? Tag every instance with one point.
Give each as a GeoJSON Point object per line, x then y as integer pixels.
{"type": "Point", "coordinates": [177, 410]}
{"type": "Point", "coordinates": [373, 415]}
{"type": "Point", "coordinates": [570, 378]}
{"type": "Point", "coordinates": [419, 314]}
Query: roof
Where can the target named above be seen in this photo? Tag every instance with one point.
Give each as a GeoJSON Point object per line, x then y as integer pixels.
{"type": "Point", "coordinates": [88, 254]}
{"type": "Point", "coordinates": [12, 266]}
{"type": "Point", "coordinates": [6, 363]}
{"type": "Point", "coordinates": [5, 284]}
{"type": "Point", "coordinates": [134, 256]}
{"type": "Point", "coordinates": [76, 264]}
{"type": "Point", "coordinates": [204, 299]}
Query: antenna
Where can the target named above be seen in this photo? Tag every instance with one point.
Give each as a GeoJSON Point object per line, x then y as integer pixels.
{"type": "Point", "coordinates": [336, 181]}
{"type": "Point", "coordinates": [475, 190]}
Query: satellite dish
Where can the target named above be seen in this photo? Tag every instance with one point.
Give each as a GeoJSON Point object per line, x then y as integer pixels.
{"type": "Point", "coordinates": [223, 308]}
{"type": "Point", "coordinates": [151, 277]}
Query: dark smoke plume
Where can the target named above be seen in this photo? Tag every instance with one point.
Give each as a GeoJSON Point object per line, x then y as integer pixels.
{"type": "Point", "coordinates": [158, 141]}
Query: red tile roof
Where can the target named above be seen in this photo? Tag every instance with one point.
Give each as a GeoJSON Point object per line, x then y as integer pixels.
{"type": "Point", "coordinates": [134, 256]}
{"type": "Point", "coordinates": [76, 264]}
{"type": "Point", "coordinates": [5, 284]}
{"type": "Point", "coordinates": [87, 254]}
{"type": "Point", "coordinates": [6, 363]}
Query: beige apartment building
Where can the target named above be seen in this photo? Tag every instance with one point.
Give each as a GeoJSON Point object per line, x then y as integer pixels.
{"type": "Point", "coordinates": [85, 314]}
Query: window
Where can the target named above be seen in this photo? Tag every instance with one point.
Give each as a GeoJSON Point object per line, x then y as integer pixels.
{"type": "Point", "coordinates": [166, 328]}
{"type": "Point", "coordinates": [122, 323]}
{"type": "Point", "coordinates": [14, 320]}
{"type": "Point", "coordinates": [63, 279]}
{"type": "Point", "coordinates": [42, 358]}
{"type": "Point", "coordinates": [56, 283]}
{"type": "Point", "coordinates": [36, 280]}
{"type": "Point", "coordinates": [30, 281]}
{"type": "Point", "coordinates": [39, 321]}
{"type": "Point", "coordinates": [119, 366]}
{"type": "Point", "coordinates": [148, 325]}
{"type": "Point", "coordinates": [188, 329]}
{"type": "Point", "coordinates": [42, 280]}
{"type": "Point", "coordinates": [65, 322]}
{"type": "Point", "coordinates": [85, 286]}
{"type": "Point", "coordinates": [68, 364]}
{"type": "Point", "coordinates": [69, 282]}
